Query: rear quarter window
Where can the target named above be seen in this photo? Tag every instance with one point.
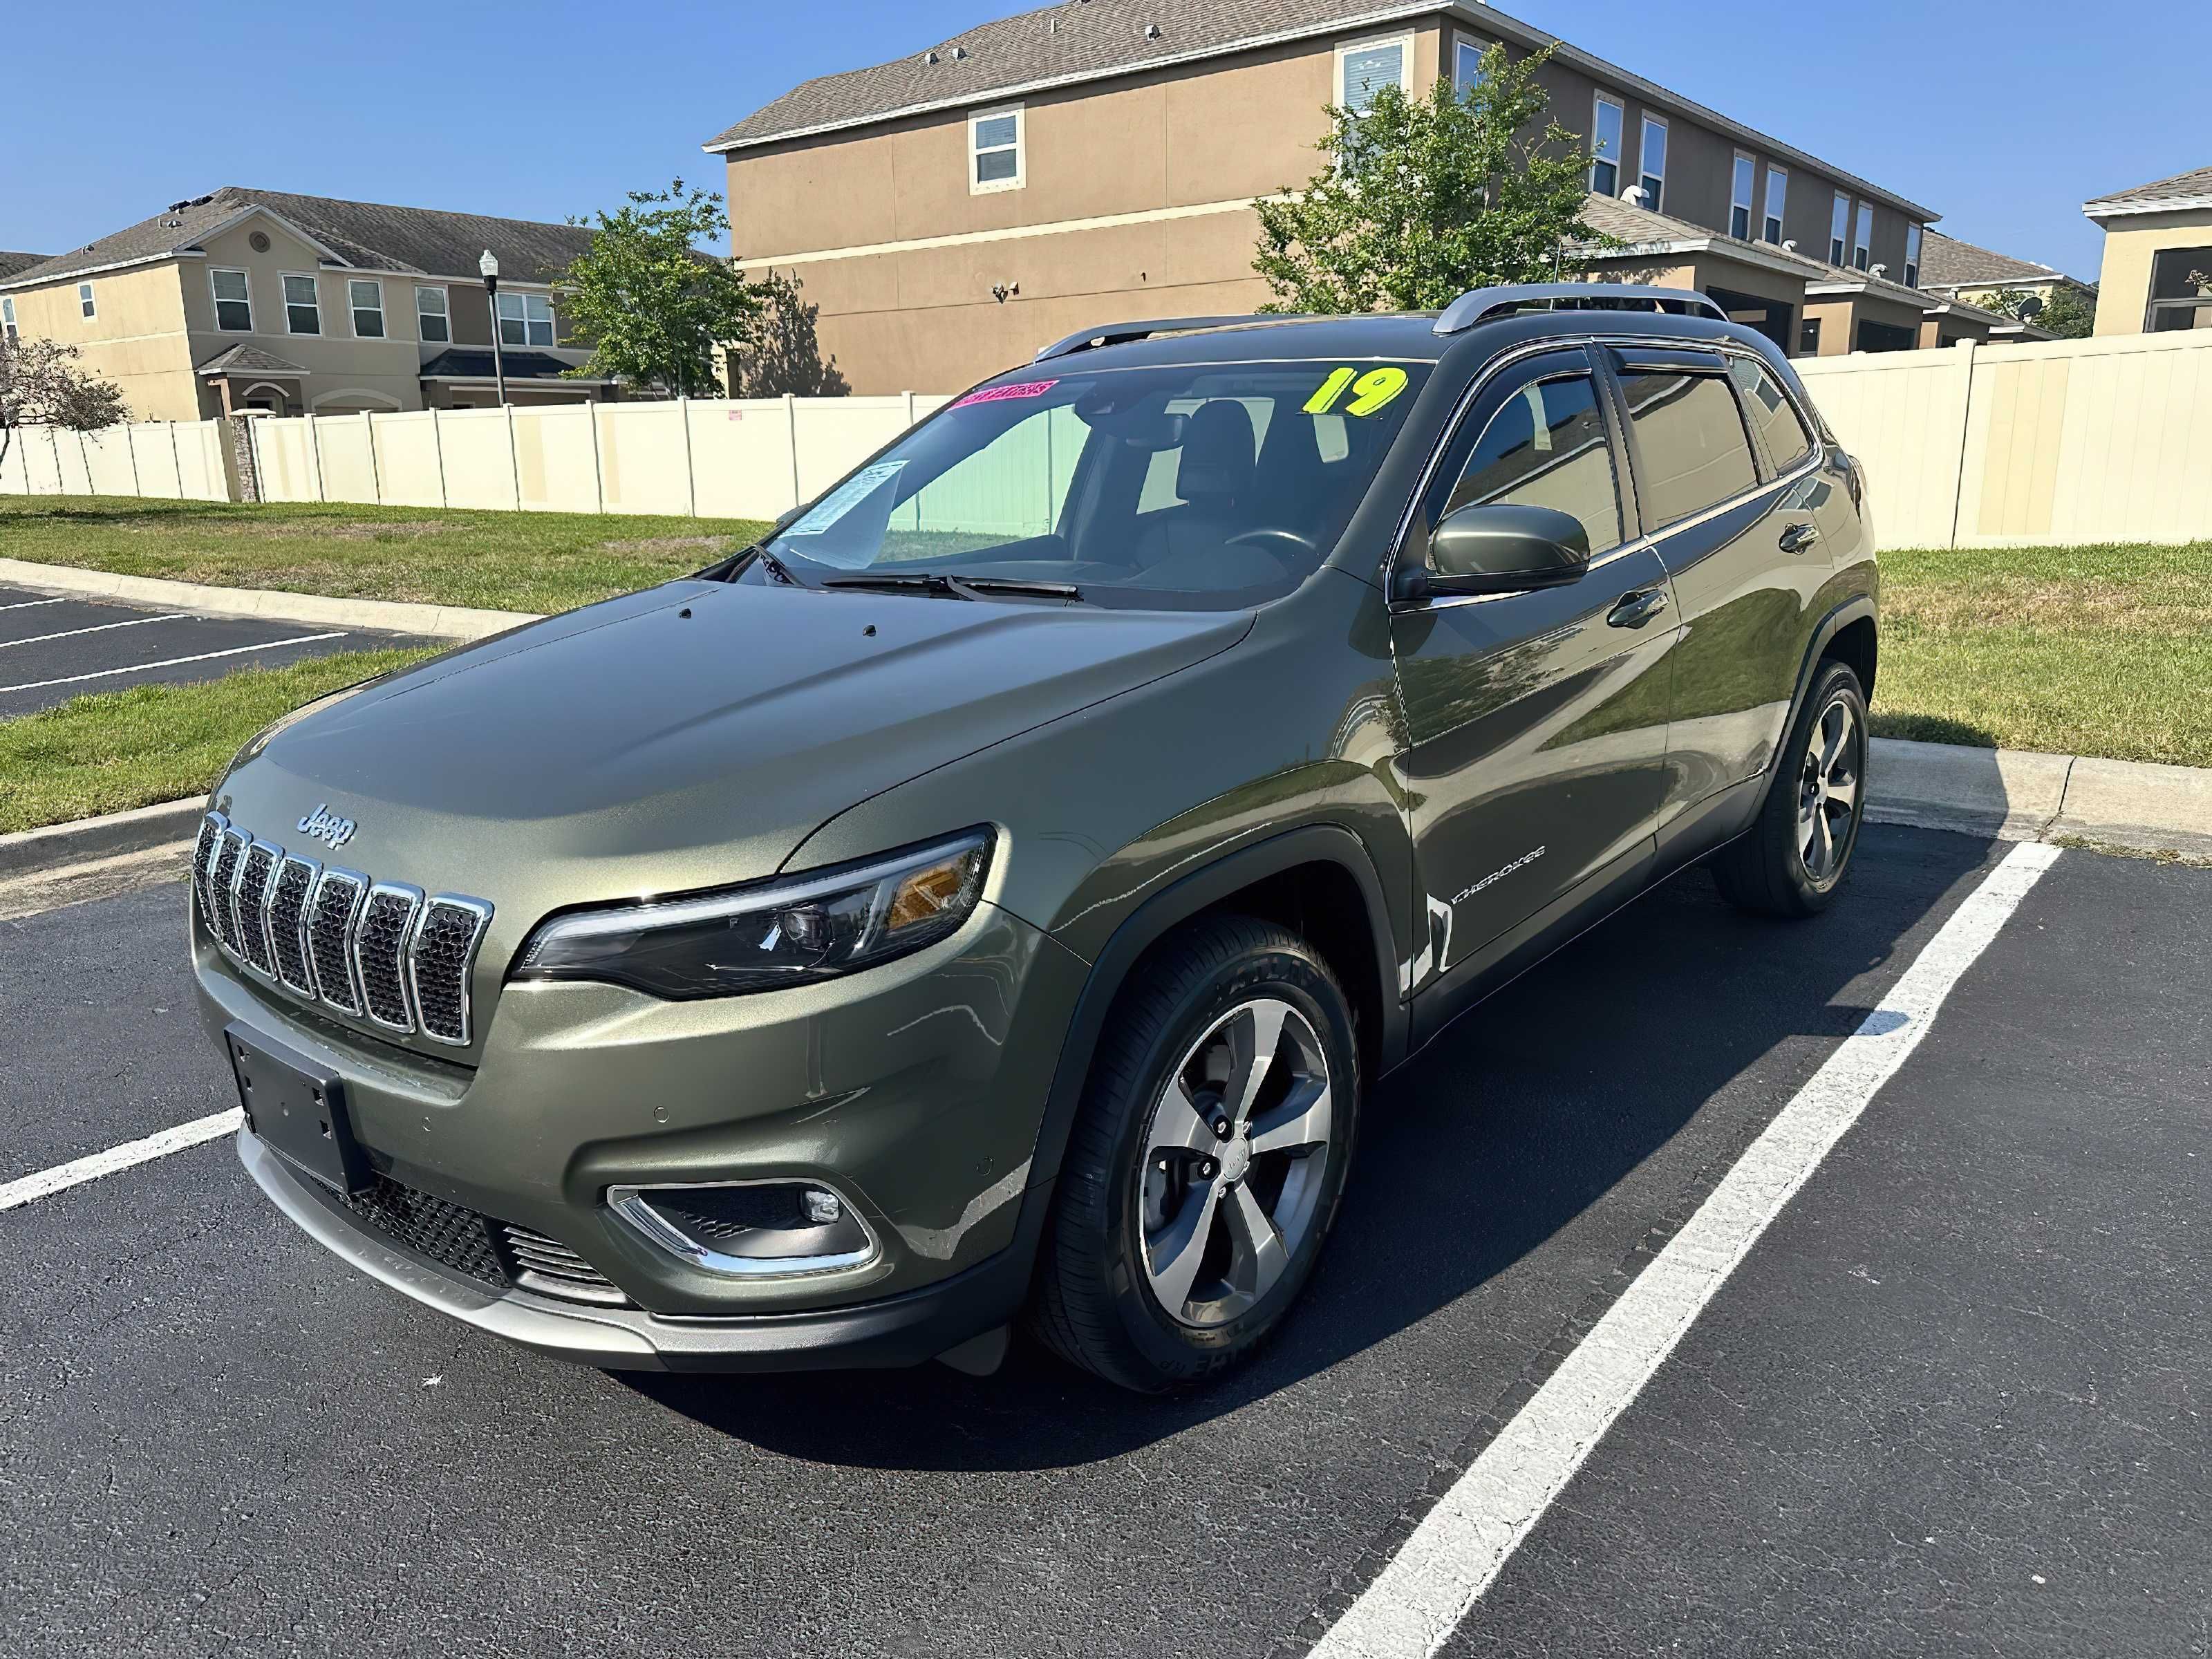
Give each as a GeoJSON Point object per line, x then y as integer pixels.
{"type": "Point", "coordinates": [1780, 427]}
{"type": "Point", "coordinates": [1691, 449]}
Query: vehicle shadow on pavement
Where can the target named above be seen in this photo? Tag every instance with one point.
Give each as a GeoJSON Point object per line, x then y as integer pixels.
{"type": "Point", "coordinates": [1512, 1124]}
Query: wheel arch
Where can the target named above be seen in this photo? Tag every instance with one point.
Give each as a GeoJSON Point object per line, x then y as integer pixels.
{"type": "Point", "coordinates": [1847, 634]}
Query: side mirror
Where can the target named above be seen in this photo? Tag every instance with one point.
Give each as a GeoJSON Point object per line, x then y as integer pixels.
{"type": "Point", "coordinates": [1501, 547]}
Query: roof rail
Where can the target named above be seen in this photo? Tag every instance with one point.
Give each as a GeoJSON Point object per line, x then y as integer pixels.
{"type": "Point", "coordinates": [1120, 333]}
{"type": "Point", "coordinates": [1479, 304]}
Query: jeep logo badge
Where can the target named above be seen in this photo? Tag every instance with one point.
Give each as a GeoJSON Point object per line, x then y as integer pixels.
{"type": "Point", "coordinates": [323, 826]}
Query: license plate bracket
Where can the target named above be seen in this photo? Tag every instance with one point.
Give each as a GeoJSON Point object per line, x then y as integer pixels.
{"type": "Point", "coordinates": [297, 1109]}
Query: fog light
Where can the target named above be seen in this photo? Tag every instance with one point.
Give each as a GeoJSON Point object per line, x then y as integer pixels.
{"type": "Point", "coordinates": [822, 1208]}
{"type": "Point", "coordinates": [748, 1228]}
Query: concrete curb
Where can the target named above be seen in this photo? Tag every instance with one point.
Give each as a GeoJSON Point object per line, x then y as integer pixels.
{"type": "Point", "coordinates": [31, 852]}
{"type": "Point", "coordinates": [437, 621]}
{"type": "Point", "coordinates": [2008, 794]}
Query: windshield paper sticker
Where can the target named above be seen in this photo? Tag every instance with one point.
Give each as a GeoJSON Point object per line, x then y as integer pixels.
{"type": "Point", "coordinates": [825, 513]}
{"type": "Point", "coordinates": [1370, 391]}
{"type": "Point", "coordinates": [1000, 394]}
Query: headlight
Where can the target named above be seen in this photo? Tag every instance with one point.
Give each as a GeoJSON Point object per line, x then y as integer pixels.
{"type": "Point", "coordinates": [789, 931]}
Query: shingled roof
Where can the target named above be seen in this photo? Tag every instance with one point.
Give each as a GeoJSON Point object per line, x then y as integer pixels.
{"type": "Point", "coordinates": [12, 263]}
{"type": "Point", "coordinates": [2190, 189]}
{"type": "Point", "coordinates": [360, 234]}
{"type": "Point", "coordinates": [1080, 40]}
{"type": "Point", "coordinates": [1948, 262]}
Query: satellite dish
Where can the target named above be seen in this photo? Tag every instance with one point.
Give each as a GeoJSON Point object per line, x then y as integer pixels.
{"type": "Point", "coordinates": [2031, 307]}
{"type": "Point", "coordinates": [1634, 196]}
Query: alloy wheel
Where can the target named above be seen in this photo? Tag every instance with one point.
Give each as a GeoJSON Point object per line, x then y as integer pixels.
{"type": "Point", "coordinates": [1828, 791]}
{"type": "Point", "coordinates": [1234, 1157]}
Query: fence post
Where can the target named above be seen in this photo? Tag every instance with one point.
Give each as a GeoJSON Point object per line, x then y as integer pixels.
{"type": "Point", "coordinates": [791, 427]}
{"type": "Point", "coordinates": [368, 437]}
{"type": "Point", "coordinates": [690, 479]}
{"type": "Point", "coordinates": [1966, 350]}
{"type": "Point", "coordinates": [438, 449]}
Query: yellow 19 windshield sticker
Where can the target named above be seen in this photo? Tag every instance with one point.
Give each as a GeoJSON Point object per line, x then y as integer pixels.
{"type": "Point", "coordinates": [1370, 391]}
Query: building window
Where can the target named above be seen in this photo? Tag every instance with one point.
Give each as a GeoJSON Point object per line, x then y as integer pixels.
{"type": "Point", "coordinates": [365, 298]}
{"type": "Point", "coordinates": [1605, 117]}
{"type": "Point", "coordinates": [1809, 338]}
{"type": "Point", "coordinates": [1862, 238]}
{"type": "Point", "coordinates": [994, 149]}
{"type": "Point", "coordinates": [1366, 67]}
{"type": "Point", "coordinates": [234, 305]}
{"type": "Point", "coordinates": [8, 318]}
{"type": "Point", "coordinates": [1778, 194]}
{"type": "Point", "coordinates": [525, 319]}
{"type": "Point", "coordinates": [1840, 222]}
{"type": "Point", "coordinates": [303, 312]}
{"type": "Point", "coordinates": [1746, 175]}
{"type": "Point", "coordinates": [2180, 290]}
{"type": "Point", "coordinates": [1466, 65]}
{"type": "Point", "coordinates": [1651, 164]}
{"type": "Point", "coordinates": [433, 315]}
{"type": "Point", "coordinates": [84, 304]}
{"type": "Point", "coordinates": [1912, 256]}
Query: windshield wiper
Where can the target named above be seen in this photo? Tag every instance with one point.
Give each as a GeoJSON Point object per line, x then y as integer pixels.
{"type": "Point", "coordinates": [956, 587]}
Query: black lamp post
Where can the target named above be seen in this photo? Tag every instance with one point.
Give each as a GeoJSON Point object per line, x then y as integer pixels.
{"type": "Point", "coordinates": [489, 266]}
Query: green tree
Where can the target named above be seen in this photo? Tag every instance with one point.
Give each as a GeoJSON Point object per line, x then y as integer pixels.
{"type": "Point", "coordinates": [1420, 199]}
{"type": "Point", "coordinates": [41, 384]}
{"type": "Point", "coordinates": [2066, 313]}
{"type": "Point", "coordinates": [650, 304]}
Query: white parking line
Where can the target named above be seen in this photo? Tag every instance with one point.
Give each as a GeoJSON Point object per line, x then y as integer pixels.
{"type": "Point", "coordinates": [76, 1173]}
{"type": "Point", "coordinates": [172, 662]}
{"type": "Point", "coordinates": [1447, 1561]}
{"type": "Point", "coordinates": [27, 604]}
{"type": "Point", "coordinates": [100, 628]}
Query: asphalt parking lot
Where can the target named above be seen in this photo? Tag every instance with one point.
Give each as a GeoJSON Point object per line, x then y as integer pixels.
{"type": "Point", "coordinates": [1952, 1401]}
{"type": "Point", "coordinates": [53, 649]}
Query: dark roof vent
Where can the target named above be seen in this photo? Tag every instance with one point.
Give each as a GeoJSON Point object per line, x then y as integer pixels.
{"type": "Point", "coordinates": [179, 207]}
{"type": "Point", "coordinates": [929, 57]}
{"type": "Point", "coordinates": [959, 52]}
{"type": "Point", "coordinates": [1151, 31]}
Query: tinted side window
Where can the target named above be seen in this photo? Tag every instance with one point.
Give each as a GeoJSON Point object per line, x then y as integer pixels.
{"type": "Point", "coordinates": [1690, 442]}
{"type": "Point", "coordinates": [1772, 413]}
{"type": "Point", "coordinates": [1545, 448]}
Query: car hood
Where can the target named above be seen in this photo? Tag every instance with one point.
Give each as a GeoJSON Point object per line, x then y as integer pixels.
{"type": "Point", "coordinates": [682, 737]}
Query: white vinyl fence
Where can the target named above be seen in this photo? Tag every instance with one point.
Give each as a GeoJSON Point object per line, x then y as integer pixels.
{"type": "Point", "coordinates": [2070, 441]}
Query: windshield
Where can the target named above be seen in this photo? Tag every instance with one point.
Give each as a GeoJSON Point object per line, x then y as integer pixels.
{"type": "Point", "coordinates": [1207, 485]}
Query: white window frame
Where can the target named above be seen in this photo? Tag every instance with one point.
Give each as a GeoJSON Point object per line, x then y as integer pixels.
{"type": "Point", "coordinates": [87, 305]}
{"type": "Point", "coordinates": [522, 297]}
{"type": "Point", "coordinates": [8, 329]}
{"type": "Point", "coordinates": [1745, 166]}
{"type": "Point", "coordinates": [1862, 236]}
{"type": "Point", "coordinates": [354, 309]}
{"type": "Point", "coordinates": [1658, 201]}
{"type": "Point", "coordinates": [445, 318]}
{"type": "Point", "coordinates": [283, 288]}
{"type": "Point", "coordinates": [1775, 204]}
{"type": "Point", "coordinates": [215, 298]}
{"type": "Point", "coordinates": [1912, 256]}
{"type": "Point", "coordinates": [1839, 228]}
{"type": "Point", "coordinates": [1466, 43]}
{"type": "Point", "coordinates": [1404, 42]}
{"type": "Point", "coordinates": [1617, 161]}
{"type": "Point", "coordinates": [992, 186]}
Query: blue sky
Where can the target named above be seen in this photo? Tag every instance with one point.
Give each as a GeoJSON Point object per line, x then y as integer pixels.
{"type": "Point", "coordinates": [2003, 118]}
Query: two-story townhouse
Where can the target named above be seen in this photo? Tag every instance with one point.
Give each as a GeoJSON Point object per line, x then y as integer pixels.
{"type": "Point", "coordinates": [951, 211]}
{"type": "Point", "coordinates": [248, 298]}
{"type": "Point", "coordinates": [2156, 277]}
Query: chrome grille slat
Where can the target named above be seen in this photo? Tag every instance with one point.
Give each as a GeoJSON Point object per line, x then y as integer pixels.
{"type": "Point", "coordinates": [550, 1266]}
{"type": "Point", "coordinates": [378, 950]}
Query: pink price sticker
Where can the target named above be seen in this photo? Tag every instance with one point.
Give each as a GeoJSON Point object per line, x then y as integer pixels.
{"type": "Point", "coordinates": [1000, 394]}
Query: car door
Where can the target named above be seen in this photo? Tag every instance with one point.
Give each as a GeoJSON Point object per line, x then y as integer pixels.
{"type": "Point", "coordinates": [1744, 553]}
{"type": "Point", "coordinates": [1535, 722]}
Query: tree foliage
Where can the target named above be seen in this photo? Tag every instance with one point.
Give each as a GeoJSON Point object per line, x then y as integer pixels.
{"type": "Point", "coordinates": [784, 352]}
{"type": "Point", "coordinates": [41, 384]}
{"type": "Point", "coordinates": [650, 305]}
{"type": "Point", "coordinates": [1419, 199]}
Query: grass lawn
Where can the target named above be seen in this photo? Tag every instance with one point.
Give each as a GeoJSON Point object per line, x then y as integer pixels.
{"type": "Point", "coordinates": [539, 561]}
{"type": "Point", "coordinates": [2072, 650]}
{"type": "Point", "coordinates": [119, 749]}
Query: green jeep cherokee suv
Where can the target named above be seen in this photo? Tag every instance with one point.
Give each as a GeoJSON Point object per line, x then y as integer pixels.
{"type": "Point", "coordinates": [991, 899]}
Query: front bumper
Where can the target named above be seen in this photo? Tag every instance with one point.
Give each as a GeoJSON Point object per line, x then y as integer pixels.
{"type": "Point", "coordinates": [915, 1090]}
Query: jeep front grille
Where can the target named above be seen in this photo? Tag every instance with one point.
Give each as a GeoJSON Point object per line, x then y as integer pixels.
{"type": "Point", "coordinates": [551, 1268]}
{"type": "Point", "coordinates": [372, 949]}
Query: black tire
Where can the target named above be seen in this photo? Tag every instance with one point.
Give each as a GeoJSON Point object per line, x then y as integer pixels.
{"type": "Point", "coordinates": [1765, 870]}
{"type": "Point", "coordinates": [1095, 1303]}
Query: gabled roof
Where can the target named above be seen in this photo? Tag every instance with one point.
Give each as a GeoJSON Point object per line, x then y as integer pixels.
{"type": "Point", "coordinates": [364, 235]}
{"type": "Point", "coordinates": [1080, 40]}
{"type": "Point", "coordinates": [1948, 262]}
{"type": "Point", "coordinates": [2192, 189]}
{"type": "Point", "coordinates": [243, 359]}
{"type": "Point", "coordinates": [12, 263]}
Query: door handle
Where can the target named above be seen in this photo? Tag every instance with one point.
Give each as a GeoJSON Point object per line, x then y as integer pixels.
{"type": "Point", "coordinates": [1799, 537]}
{"type": "Point", "coordinates": [1634, 610]}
